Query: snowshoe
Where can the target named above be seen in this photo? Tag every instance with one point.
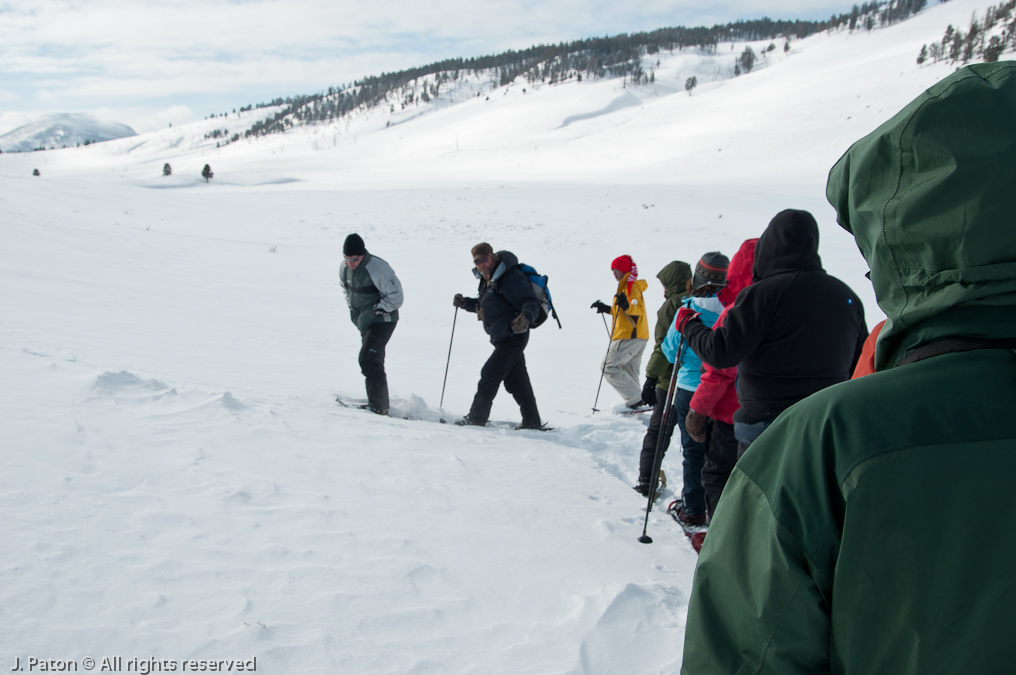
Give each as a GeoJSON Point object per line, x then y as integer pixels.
{"type": "Point", "coordinates": [691, 524]}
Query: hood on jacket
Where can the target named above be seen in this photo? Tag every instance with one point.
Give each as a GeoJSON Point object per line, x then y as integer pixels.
{"type": "Point", "coordinates": [739, 273]}
{"type": "Point", "coordinates": [789, 244]}
{"type": "Point", "coordinates": [926, 196]}
{"type": "Point", "coordinates": [674, 277]}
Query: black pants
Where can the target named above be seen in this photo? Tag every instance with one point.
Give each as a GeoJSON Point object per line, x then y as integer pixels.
{"type": "Point", "coordinates": [372, 363]}
{"type": "Point", "coordinates": [653, 435]}
{"type": "Point", "coordinates": [507, 364]}
{"type": "Point", "coordinates": [721, 455]}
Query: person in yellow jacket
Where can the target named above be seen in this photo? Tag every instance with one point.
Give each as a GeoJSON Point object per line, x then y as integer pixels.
{"type": "Point", "coordinates": [630, 333]}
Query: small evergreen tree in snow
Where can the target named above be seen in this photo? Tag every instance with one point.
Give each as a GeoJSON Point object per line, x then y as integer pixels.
{"type": "Point", "coordinates": [206, 173]}
{"type": "Point", "coordinates": [747, 59]}
{"type": "Point", "coordinates": [36, 173]}
{"type": "Point", "coordinates": [690, 84]}
{"type": "Point", "coordinates": [923, 56]}
{"type": "Point", "coordinates": [167, 170]}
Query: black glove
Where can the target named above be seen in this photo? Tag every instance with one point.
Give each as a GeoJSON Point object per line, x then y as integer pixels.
{"type": "Point", "coordinates": [459, 301]}
{"type": "Point", "coordinates": [649, 391]}
{"type": "Point", "coordinates": [520, 324]}
{"type": "Point", "coordinates": [622, 301]}
{"type": "Point", "coordinates": [600, 307]}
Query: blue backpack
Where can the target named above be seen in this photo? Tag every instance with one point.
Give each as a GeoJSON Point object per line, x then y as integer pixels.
{"type": "Point", "coordinates": [542, 292]}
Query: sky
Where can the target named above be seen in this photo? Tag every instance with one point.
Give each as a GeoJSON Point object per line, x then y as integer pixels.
{"type": "Point", "coordinates": [149, 63]}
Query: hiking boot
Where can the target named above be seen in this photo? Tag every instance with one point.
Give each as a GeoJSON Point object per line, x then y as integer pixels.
{"type": "Point", "coordinates": [469, 422]}
{"type": "Point", "coordinates": [692, 520]}
{"type": "Point", "coordinates": [530, 425]}
{"type": "Point", "coordinates": [642, 487]}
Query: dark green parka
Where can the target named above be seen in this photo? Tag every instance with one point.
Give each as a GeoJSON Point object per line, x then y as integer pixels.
{"type": "Point", "coordinates": [674, 277]}
{"type": "Point", "coordinates": [870, 529]}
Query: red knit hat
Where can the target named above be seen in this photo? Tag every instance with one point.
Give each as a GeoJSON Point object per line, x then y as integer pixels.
{"type": "Point", "coordinates": [624, 264]}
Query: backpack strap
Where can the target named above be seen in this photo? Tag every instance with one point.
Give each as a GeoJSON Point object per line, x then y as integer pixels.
{"type": "Point", "coordinates": [955, 344]}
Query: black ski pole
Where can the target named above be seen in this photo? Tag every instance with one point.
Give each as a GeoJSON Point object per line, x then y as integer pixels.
{"type": "Point", "coordinates": [603, 368]}
{"type": "Point", "coordinates": [448, 362]}
{"type": "Point", "coordinates": [666, 429]}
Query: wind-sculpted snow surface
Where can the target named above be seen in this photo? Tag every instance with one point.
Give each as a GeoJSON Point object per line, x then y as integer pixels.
{"type": "Point", "coordinates": [153, 517]}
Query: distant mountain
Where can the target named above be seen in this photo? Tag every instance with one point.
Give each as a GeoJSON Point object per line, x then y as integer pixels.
{"type": "Point", "coordinates": [62, 130]}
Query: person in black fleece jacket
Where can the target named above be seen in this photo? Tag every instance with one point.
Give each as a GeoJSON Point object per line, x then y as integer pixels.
{"type": "Point", "coordinates": [507, 306]}
{"type": "Point", "coordinates": [794, 331]}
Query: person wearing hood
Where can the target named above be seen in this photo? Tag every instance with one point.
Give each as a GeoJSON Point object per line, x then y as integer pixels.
{"type": "Point", "coordinates": [674, 277]}
{"type": "Point", "coordinates": [630, 331]}
{"type": "Point", "coordinates": [507, 305]}
{"type": "Point", "coordinates": [794, 331]}
{"type": "Point", "coordinates": [710, 417]}
{"type": "Point", "coordinates": [869, 529]}
{"type": "Point", "coordinates": [709, 278]}
{"type": "Point", "coordinates": [374, 295]}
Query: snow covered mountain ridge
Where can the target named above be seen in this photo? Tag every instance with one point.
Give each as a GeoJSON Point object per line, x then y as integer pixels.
{"type": "Point", "coordinates": [62, 130]}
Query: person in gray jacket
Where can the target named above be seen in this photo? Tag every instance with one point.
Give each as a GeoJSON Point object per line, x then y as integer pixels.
{"type": "Point", "coordinates": [374, 295]}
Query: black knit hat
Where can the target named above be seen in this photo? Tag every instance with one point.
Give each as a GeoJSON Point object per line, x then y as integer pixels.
{"type": "Point", "coordinates": [354, 245]}
{"type": "Point", "coordinates": [711, 270]}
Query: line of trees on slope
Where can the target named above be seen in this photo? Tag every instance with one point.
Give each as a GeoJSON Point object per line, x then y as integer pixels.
{"type": "Point", "coordinates": [618, 56]}
{"type": "Point", "coordinates": [870, 15]}
{"type": "Point", "coordinates": [981, 41]}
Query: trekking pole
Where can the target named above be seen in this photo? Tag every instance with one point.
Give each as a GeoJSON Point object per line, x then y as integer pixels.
{"type": "Point", "coordinates": [448, 362]}
{"type": "Point", "coordinates": [666, 430]}
{"type": "Point", "coordinates": [603, 368]}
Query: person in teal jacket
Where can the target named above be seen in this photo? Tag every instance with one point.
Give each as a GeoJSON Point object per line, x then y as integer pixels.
{"type": "Point", "coordinates": [870, 528]}
{"type": "Point", "coordinates": [709, 278]}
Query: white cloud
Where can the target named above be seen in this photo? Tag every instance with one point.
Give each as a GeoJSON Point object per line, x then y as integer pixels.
{"type": "Point", "coordinates": [149, 54]}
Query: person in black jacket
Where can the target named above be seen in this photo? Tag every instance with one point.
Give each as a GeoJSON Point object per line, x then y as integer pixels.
{"type": "Point", "coordinates": [507, 306]}
{"type": "Point", "coordinates": [794, 331]}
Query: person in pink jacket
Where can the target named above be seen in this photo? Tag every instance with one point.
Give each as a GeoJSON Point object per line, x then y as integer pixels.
{"type": "Point", "coordinates": [711, 418]}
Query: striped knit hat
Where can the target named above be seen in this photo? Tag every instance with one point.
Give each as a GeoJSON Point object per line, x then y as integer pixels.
{"type": "Point", "coordinates": [711, 270]}
{"type": "Point", "coordinates": [626, 265]}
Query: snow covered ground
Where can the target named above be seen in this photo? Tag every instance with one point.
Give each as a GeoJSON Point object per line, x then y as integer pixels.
{"type": "Point", "coordinates": [176, 479]}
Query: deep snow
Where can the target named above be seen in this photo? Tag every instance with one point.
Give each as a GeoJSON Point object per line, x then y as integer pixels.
{"type": "Point", "coordinates": [177, 481]}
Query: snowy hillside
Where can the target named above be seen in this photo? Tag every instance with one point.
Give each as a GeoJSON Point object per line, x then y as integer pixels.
{"type": "Point", "coordinates": [178, 482]}
{"type": "Point", "coordinates": [63, 130]}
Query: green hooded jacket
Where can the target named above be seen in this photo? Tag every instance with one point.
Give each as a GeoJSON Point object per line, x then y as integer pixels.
{"type": "Point", "coordinates": [674, 277]}
{"type": "Point", "coordinates": [870, 529]}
